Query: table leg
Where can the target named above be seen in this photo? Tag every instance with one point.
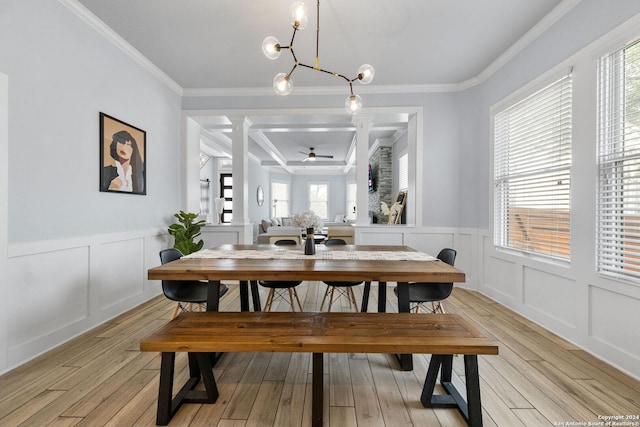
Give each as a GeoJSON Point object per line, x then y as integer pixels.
{"type": "Point", "coordinates": [213, 295]}
{"type": "Point", "coordinates": [365, 297]}
{"type": "Point", "coordinates": [255, 296]}
{"type": "Point", "coordinates": [317, 395]}
{"type": "Point", "coordinates": [406, 360]}
{"type": "Point", "coordinates": [382, 297]}
{"type": "Point", "coordinates": [244, 295]}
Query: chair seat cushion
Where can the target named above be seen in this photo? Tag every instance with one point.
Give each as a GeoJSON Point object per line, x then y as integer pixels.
{"type": "Point", "coordinates": [426, 292]}
{"type": "Point", "coordinates": [189, 290]}
{"type": "Point", "coordinates": [278, 284]}
{"type": "Point", "coordinates": [343, 284]}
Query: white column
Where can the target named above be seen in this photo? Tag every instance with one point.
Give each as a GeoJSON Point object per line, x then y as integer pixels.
{"type": "Point", "coordinates": [363, 126]}
{"type": "Point", "coordinates": [191, 152]}
{"type": "Point", "coordinates": [240, 171]}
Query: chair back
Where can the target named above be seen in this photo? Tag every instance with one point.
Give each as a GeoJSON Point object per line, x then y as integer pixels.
{"type": "Point", "coordinates": [447, 255]}
{"type": "Point", "coordinates": [168, 255]}
{"type": "Point", "coordinates": [291, 238]}
{"type": "Point", "coordinates": [181, 290]}
{"type": "Point", "coordinates": [285, 242]}
{"type": "Point", "coordinates": [334, 241]}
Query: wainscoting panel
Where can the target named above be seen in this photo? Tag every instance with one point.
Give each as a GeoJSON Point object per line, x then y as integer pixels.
{"type": "Point", "coordinates": [614, 319]}
{"type": "Point", "coordinates": [48, 291]}
{"type": "Point", "coordinates": [60, 289]}
{"type": "Point", "coordinates": [117, 271]}
{"type": "Point", "coordinates": [380, 235]}
{"type": "Point", "coordinates": [501, 279]}
{"type": "Point", "coordinates": [551, 294]}
{"type": "Point", "coordinates": [430, 242]}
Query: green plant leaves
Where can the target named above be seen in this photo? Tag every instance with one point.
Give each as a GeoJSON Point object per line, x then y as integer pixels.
{"type": "Point", "coordinates": [185, 232]}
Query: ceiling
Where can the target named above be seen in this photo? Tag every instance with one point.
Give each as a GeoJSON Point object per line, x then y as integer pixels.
{"type": "Point", "coordinates": [417, 44]}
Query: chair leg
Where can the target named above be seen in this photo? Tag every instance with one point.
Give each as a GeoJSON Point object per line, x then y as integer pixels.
{"type": "Point", "coordinates": [295, 294]}
{"type": "Point", "coordinates": [269, 301]}
{"type": "Point", "coordinates": [326, 292]}
{"type": "Point", "coordinates": [293, 307]}
{"type": "Point", "coordinates": [333, 290]}
{"type": "Point", "coordinates": [175, 311]}
{"type": "Point", "coordinates": [352, 299]}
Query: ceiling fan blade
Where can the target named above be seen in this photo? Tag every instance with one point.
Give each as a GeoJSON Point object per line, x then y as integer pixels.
{"type": "Point", "coordinates": [325, 156]}
{"type": "Point", "coordinates": [306, 159]}
{"type": "Point", "coordinates": [304, 152]}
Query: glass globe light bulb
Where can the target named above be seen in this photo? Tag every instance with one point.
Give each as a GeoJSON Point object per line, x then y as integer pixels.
{"type": "Point", "coordinates": [299, 15]}
{"type": "Point", "coordinates": [353, 104]}
{"type": "Point", "coordinates": [282, 84]}
{"type": "Point", "coordinates": [271, 47]}
{"type": "Point", "coordinates": [365, 74]}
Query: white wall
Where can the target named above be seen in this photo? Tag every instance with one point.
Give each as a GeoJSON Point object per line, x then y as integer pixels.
{"type": "Point", "coordinates": [597, 313]}
{"type": "Point", "coordinates": [75, 256]}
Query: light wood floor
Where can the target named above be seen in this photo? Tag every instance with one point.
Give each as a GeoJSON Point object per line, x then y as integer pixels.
{"type": "Point", "coordinates": [101, 378]}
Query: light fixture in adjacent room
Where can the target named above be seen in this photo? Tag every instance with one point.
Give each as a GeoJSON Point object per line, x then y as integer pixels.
{"type": "Point", "coordinates": [282, 82]}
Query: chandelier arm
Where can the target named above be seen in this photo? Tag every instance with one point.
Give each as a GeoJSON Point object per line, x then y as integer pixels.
{"type": "Point", "coordinates": [325, 71]}
{"type": "Point", "coordinates": [295, 64]}
{"type": "Point", "coordinates": [293, 36]}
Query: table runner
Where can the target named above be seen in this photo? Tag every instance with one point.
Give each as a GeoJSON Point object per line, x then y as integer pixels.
{"type": "Point", "coordinates": [298, 254]}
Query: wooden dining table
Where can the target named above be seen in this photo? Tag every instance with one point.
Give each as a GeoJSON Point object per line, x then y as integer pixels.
{"type": "Point", "coordinates": [356, 263]}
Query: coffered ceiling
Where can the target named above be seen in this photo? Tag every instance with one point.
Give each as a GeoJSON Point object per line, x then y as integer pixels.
{"type": "Point", "coordinates": [214, 46]}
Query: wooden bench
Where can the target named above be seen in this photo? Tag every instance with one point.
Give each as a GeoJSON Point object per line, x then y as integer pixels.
{"type": "Point", "coordinates": [199, 334]}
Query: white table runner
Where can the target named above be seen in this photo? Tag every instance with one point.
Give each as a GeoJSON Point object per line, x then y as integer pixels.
{"type": "Point", "coordinates": [297, 254]}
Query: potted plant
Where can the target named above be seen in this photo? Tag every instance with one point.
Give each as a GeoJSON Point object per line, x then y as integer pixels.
{"type": "Point", "coordinates": [185, 232]}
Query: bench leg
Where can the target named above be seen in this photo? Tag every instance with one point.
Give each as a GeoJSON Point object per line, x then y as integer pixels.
{"type": "Point", "coordinates": [199, 366]}
{"type": "Point", "coordinates": [164, 391]}
{"type": "Point", "coordinates": [471, 409]}
{"type": "Point", "coordinates": [317, 390]}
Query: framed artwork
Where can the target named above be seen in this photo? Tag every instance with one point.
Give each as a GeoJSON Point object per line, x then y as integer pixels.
{"type": "Point", "coordinates": [123, 151]}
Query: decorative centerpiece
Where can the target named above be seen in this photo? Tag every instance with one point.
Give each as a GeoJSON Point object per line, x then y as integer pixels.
{"type": "Point", "coordinates": [309, 221]}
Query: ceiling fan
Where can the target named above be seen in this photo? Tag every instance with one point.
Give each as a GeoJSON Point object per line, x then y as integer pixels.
{"type": "Point", "coordinates": [311, 155]}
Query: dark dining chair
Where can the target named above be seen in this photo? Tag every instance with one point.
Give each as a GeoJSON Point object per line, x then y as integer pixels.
{"type": "Point", "coordinates": [184, 292]}
{"type": "Point", "coordinates": [282, 288]}
{"type": "Point", "coordinates": [340, 288]}
{"type": "Point", "coordinates": [421, 293]}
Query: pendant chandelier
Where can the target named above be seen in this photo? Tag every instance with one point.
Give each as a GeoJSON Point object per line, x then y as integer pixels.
{"type": "Point", "coordinates": [282, 82]}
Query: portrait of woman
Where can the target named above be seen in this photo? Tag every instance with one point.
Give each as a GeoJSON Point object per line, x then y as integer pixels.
{"type": "Point", "coordinates": [122, 159]}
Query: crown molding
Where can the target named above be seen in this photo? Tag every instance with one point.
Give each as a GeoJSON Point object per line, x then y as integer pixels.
{"type": "Point", "coordinates": [104, 30]}
{"type": "Point", "coordinates": [545, 23]}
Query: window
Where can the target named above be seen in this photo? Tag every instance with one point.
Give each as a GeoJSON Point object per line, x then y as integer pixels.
{"type": "Point", "coordinates": [279, 199]}
{"type": "Point", "coordinates": [319, 199]}
{"type": "Point", "coordinates": [618, 199]}
{"type": "Point", "coordinates": [226, 192]}
{"type": "Point", "coordinates": [403, 172]}
{"type": "Point", "coordinates": [532, 172]}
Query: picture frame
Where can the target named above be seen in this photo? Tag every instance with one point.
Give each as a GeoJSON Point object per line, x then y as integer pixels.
{"type": "Point", "coordinates": [123, 161]}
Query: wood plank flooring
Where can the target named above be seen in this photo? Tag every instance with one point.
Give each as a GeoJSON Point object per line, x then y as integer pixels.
{"type": "Point", "coordinates": [101, 378]}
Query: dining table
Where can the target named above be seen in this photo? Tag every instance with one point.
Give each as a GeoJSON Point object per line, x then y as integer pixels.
{"type": "Point", "coordinates": [354, 263]}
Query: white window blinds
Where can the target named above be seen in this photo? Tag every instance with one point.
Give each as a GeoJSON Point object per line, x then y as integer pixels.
{"type": "Point", "coordinates": [532, 172]}
{"type": "Point", "coordinates": [618, 199]}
